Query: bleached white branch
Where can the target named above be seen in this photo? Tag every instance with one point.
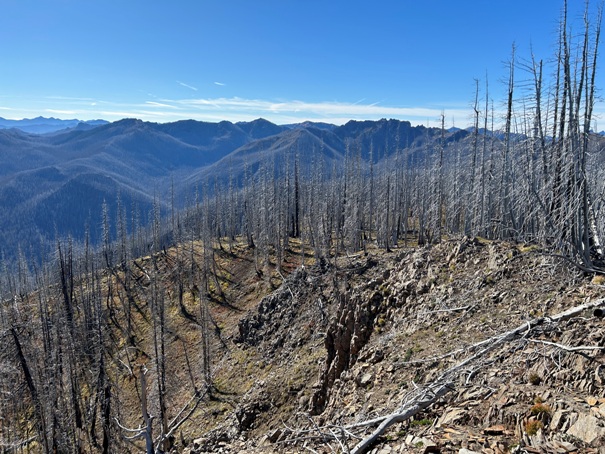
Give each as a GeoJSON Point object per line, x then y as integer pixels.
{"type": "Point", "coordinates": [567, 348]}
{"type": "Point", "coordinates": [454, 309]}
{"type": "Point", "coordinates": [176, 422]}
{"type": "Point", "coordinates": [140, 432]}
{"type": "Point", "coordinates": [444, 383]}
{"type": "Point", "coordinates": [126, 428]}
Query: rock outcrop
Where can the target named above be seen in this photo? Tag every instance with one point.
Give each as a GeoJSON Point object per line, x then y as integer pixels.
{"type": "Point", "coordinates": [346, 344]}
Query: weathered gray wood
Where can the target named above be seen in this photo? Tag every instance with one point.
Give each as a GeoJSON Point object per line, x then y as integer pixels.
{"type": "Point", "coordinates": [445, 382]}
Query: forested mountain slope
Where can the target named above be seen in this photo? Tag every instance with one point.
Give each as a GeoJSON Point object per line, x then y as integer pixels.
{"type": "Point", "coordinates": [55, 184]}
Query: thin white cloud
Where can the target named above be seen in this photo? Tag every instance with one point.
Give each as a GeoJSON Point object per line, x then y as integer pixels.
{"type": "Point", "coordinates": [61, 112]}
{"type": "Point", "coordinates": [159, 104]}
{"type": "Point", "coordinates": [183, 84]}
{"type": "Point", "coordinates": [322, 111]}
{"type": "Point", "coordinates": [69, 99]}
{"type": "Point", "coordinates": [234, 109]}
{"type": "Point", "coordinates": [220, 84]}
{"type": "Point", "coordinates": [117, 114]}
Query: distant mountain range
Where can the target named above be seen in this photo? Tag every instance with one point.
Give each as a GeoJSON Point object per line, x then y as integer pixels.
{"type": "Point", "coordinates": [42, 125]}
{"type": "Point", "coordinates": [55, 183]}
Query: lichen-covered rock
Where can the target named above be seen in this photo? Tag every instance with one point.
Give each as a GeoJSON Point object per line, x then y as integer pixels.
{"type": "Point", "coordinates": [587, 428]}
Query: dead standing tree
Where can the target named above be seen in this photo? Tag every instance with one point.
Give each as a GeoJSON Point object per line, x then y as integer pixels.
{"type": "Point", "coordinates": [567, 201]}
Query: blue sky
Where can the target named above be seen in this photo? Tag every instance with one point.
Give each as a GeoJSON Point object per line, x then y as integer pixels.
{"type": "Point", "coordinates": [286, 61]}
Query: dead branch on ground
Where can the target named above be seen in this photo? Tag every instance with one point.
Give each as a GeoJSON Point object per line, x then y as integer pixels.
{"type": "Point", "coordinates": [425, 396]}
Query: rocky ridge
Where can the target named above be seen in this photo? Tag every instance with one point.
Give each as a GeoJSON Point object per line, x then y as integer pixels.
{"type": "Point", "coordinates": [347, 342]}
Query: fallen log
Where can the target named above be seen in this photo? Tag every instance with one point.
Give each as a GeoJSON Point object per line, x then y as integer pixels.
{"type": "Point", "coordinates": [432, 395]}
{"type": "Point", "coordinates": [432, 392]}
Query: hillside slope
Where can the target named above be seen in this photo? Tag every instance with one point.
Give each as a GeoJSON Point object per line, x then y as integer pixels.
{"type": "Point", "coordinates": [336, 346]}
{"type": "Point", "coordinates": [240, 356]}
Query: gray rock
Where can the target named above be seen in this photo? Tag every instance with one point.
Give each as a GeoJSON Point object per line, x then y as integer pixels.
{"type": "Point", "coordinates": [385, 450]}
{"type": "Point", "coordinates": [586, 428]}
{"type": "Point", "coordinates": [366, 379]}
